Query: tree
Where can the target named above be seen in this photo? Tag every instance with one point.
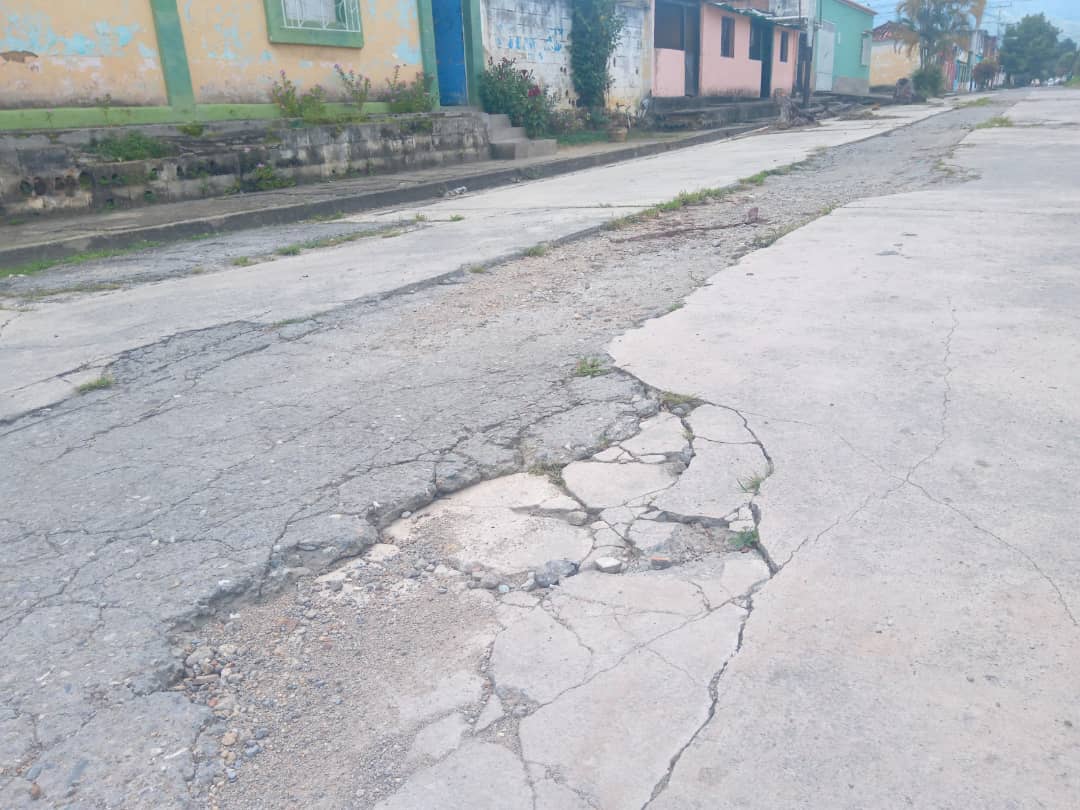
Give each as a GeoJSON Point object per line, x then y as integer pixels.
{"type": "Point", "coordinates": [985, 73]}
{"type": "Point", "coordinates": [933, 27]}
{"type": "Point", "coordinates": [1029, 49]}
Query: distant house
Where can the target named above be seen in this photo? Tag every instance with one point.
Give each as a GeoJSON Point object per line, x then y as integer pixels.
{"type": "Point", "coordinates": [716, 48]}
{"type": "Point", "coordinates": [890, 58]}
{"type": "Point", "coordinates": [841, 38]}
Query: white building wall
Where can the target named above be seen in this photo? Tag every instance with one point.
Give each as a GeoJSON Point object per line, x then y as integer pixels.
{"type": "Point", "coordinates": [536, 34]}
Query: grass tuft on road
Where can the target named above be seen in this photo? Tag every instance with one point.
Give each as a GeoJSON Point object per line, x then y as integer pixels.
{"type": "Point", "coordinates": [101, 383]}
{"type": "Point", "coordinates": [996, 122]}
{"type": "Point", "coordinates": [589, 367]}
{"type": "Point", "coordinates": [79, 258]}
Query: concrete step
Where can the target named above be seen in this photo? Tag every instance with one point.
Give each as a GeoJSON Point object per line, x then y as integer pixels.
{"type": "Point", "coordinates": [507, 134]}
{"type": "Point", "coordinates": [517, 149]}
{"type": "Point", "coordinates": [497, 121]}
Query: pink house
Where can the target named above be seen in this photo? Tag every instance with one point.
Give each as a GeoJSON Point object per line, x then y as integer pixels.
{"type": "Point", "coordinates": [716, 48]}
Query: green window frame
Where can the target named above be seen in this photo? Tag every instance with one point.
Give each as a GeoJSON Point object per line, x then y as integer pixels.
{"type": "Point", "coordinates": [345, 31]}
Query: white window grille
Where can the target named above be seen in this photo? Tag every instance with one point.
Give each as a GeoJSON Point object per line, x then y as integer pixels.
{"type": "Point", "coordinates": [321, 15]}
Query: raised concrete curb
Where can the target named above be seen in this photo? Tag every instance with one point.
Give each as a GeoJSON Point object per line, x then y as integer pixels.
{"type": "Point", "coordinates": [185, 228]}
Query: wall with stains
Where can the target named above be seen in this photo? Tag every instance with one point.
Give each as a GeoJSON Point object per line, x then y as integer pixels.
{"type": "Point", "coordinates": [75, 53]}
{"type": "Point", "coordinates": [233, 61]}
{"type": "Point", "coordinates": [536, 34]}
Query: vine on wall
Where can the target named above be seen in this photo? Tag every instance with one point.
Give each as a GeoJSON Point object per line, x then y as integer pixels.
{"type": "Point", "coordinates": [595, 28]}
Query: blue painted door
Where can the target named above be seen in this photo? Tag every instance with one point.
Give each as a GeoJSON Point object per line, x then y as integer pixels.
{"type": "Point", "coordinates": [450, 51]}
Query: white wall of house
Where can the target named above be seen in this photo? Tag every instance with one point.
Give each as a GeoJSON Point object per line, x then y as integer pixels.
{"type": "Point", "coordinates": [536, 34]}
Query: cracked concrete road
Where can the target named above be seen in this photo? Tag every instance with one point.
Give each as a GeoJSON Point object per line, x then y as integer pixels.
{"type": "Point", "coordinates": [805, 540]}
{"type": "Point", "coordinates": [52, 347]}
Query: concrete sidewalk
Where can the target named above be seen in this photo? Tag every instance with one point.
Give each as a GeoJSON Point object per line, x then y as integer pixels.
{"type": "Point", "coordinates": [50, 347]}
{"type": "Point", "coordinates": [60, 236]}
{"type": "Point", "coordinates": [911, 372]}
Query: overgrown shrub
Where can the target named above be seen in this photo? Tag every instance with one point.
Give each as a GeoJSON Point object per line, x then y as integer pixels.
{"type": "Point", "coordinates": [357, 86]}
{"type": "Point", "coordinates": [264, 178]}
{"type": "Point", "coordinates": [409, 97]}
{"type": "Point", "coordinates": [506, 88]}
{"type": "Point", "coordinates": [595, 28]}
{"type": "Point", "coordinates": [132, 146]}
{"type": "Point", "coordinates": [928, 81]}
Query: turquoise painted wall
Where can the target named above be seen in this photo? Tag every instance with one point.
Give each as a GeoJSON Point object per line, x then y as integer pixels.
{"type": "Point", "coordinates": [851, 24]}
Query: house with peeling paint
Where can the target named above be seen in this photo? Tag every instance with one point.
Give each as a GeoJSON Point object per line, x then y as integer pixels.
{"type": "Point", "coordinates": [71, 63]}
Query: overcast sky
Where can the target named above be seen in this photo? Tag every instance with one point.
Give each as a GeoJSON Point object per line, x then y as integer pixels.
{"type": "Point", "coordinates": [1065, 14]}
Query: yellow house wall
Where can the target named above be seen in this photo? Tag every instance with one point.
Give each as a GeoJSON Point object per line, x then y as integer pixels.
{"type": "Point", "coordinates": [889, 64]}
{"type": "Point", "coordinates": [232, 59]}
{"type": "Point", "coordinates": [75, 52]}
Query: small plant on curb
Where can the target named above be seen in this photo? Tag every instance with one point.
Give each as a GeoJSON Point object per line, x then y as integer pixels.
{"type": "Point", "coordinates": [288, 250]}
{"type": "Point", "coordinates": [744, 540]}
{"type": "Point", "coordinates": [536, 251]}
{"type": "Point", "coordinates": [132, 146]}
{"type": "Point", "coordinates": [102, 382]}
{"type": "Point", "coordinates": [589, 367]}
{"type": "Point", "coordinates": [264, 178]}
{"type": "Point", "coordinates": [309, 105]}
{"type": "Point", "coordinates": [476, 268]}
{"type": "Point", "coordinates": [456, 217]}
{"type": "Point", "coordinates": [357, 86]}
{"type": "Point", "coordinates": [409, 97]}
{"type": "Point", "coordinates": [192, 130]}
{"type": "Point", "coordinates": [242, 261]}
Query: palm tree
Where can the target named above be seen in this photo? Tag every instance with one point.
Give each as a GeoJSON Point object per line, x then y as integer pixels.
{"type": "Point", "coordinates": [935, 26]}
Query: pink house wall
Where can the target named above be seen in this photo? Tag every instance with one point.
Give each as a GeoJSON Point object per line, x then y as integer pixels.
{"type": "Point", "coordinates": [723, 75]}
{"type": "Point", "coordinates": [784, 73]}
{"type": "Point", "coordinates": [670, 76]}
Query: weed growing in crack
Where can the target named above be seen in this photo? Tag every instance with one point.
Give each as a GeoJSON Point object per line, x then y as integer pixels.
{"type": "Point", "coordinates": [675, 307]}
{"type": "Point", "coordinates": [476, 268]}
{"type": "Point", "coordinates": [101, 383]}
{"type": "Point", "coordinates": [589, 367]}
{"type": "Point", "coordinates": [744, 540]}
{"type": "Point", "coordinates": [457, 217]}
{"type": "Point", "coordinates": [286, 322]}
{"type": "Point", "coordinates": [995, 122]}
{"type": "Point", "coordinates": [681, 200]}
{"type": "Point", "coordinates": [550, 469]}
{"type": "Point", "coordinates": [752, 485]}
{"type": "Point", "coordinates": [288, 250]}
{"type": "Point", "coordinates": [536, 250]}
{"type": "Point", "coordinates": [979, 102]}
{"type": "Point", "coordinates": [420, 218]}
{"type": "Point", "coordinates": [242, 261]}
{"type": "Point", "coordinates": [669, 400]}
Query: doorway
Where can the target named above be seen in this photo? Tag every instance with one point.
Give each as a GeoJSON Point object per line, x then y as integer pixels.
{"type": "Point", "coordinates": [449, 24]}
{"type": "Point", "coordinates": [761, 49]}
{"type": "Point", "coordinates": [692, 48]}
{"type": "Point", "coordinates": [826, 55]}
